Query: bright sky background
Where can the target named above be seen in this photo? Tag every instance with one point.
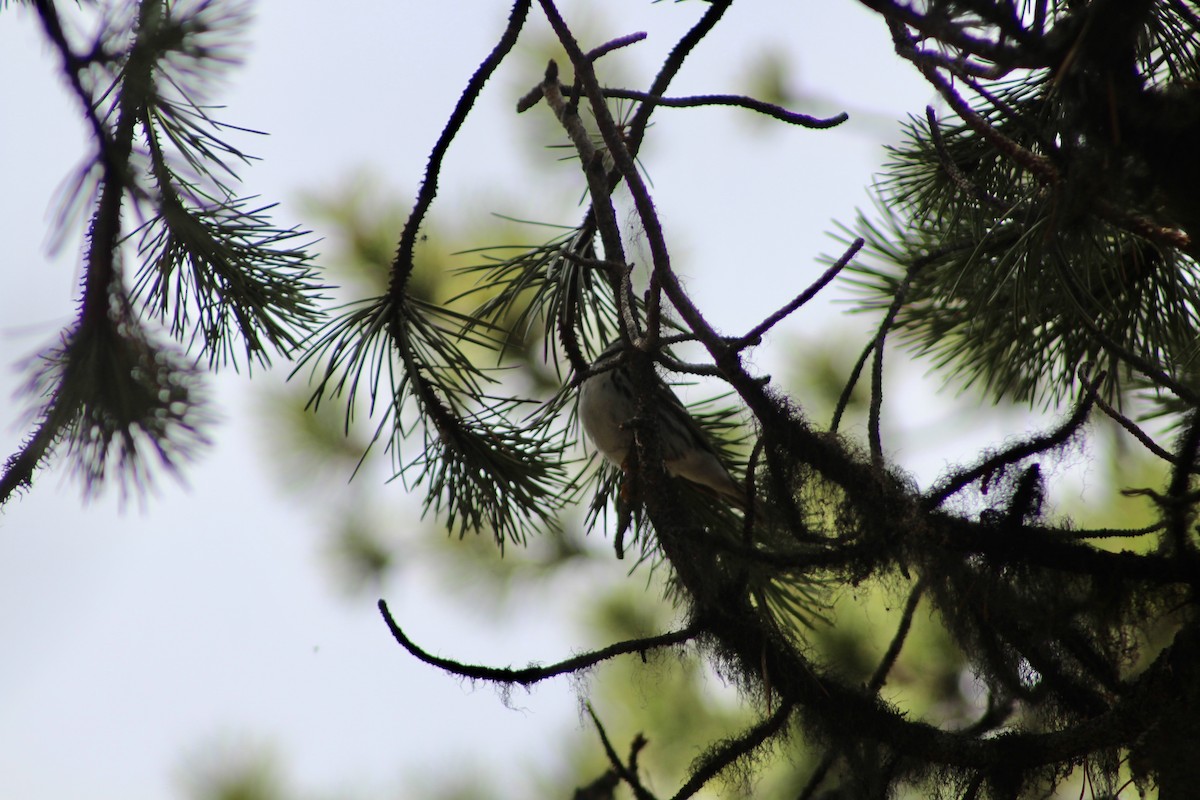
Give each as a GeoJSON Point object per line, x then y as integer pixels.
{"type": "Point", "coordinates": [136, 638]}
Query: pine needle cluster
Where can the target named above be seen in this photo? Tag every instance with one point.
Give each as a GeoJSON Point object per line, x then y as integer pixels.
{"type": "Point", "coordinates": [1039, 240]}
{"type": "Point", "coordinates": [212, 278]}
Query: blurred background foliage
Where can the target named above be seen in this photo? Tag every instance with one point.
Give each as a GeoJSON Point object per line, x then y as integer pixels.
{"type": "Point", "coordinates": [680, 711]}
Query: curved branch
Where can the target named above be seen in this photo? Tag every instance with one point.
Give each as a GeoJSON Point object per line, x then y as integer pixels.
{"type": "Point", "coordinates": [402, 265]}
{"type": "Point", "coordinates": [955, 483]}
{"type": "Point", "coordinates": [671, 67]}
{"type": "Point", "coordinates": [731, 750]}
{"type": "Point", "coordinates": [616, 44]}
{"type": "Point", "coordinates": [739, 101]}
{"type": "Point", "coordinates": [531, 675]}
{"type": "Point", "coordinates": [875, 413]}
{"type": "Point", "coordinates": [843, 401]}
{"type": "Point", "coordinates": [1132, 429]}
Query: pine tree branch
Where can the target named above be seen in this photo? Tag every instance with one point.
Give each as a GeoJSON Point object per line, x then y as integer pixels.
{"type": "Point", "coordinates": [1142, 364]}
{"type": "Point", "coordinates": [568, 320]}
{"type": "Point", "coordinates": [662, 276]}
{"type": "Point", "coordinates": [102, 289]}
{"type": "Point", "coordinates": [756, 333]}
{"type": "Point", "coordinates": [956, 482]}
{"type": "Point", "coordinates": [1180, 511]}
{"type": "Point", "coordinates": [628, 774]}
{"type": "Point", "coordinates": [670, 68]}
{"type": "Point", "coordinates": [849, 714]}
{"type": "Point", "coordinates": [876, 682]}
{"type": "Point", "coordinates": [1030, 52]}
{"type": "Point", "coordinates": [965, 185]}
{"type": "Point", "coordinates": [534, 95]}
{"type": "Point", "coordinates": [602, 209]}
{"type": "Point", "coordinates": [1032, 546]}
{"type": "Point", "coordinates": [736, 100]}
{"type": "Point", "coordinates": [728, 752]}
{"type": "Point", "coordinates": [402, 265]}
{"type": "Point", "coordinates": [72, 67]}
{"type": "Point", "coordinates": [1042, 168]}
{"type": "Point", "coordinates": [20, 467]}
{"type": "Point", "coordinates": [1133, 430]}
{"type": "Point", "coordinates": [531, 675]}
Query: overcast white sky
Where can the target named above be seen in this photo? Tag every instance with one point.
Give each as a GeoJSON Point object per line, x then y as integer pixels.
{"type": "Point", "coordinates": [135, 638]}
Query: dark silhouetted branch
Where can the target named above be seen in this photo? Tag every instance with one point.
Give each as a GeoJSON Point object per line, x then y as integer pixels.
{"type": "Point", "coordinates": [736, 100]}
{"type": "Point", "coordinates": [756, 333]}
{"type": "Point", "coordinates": [532, 675]}
{"type": "Point", "coordinates": [627, 773]}
{"type": "Point", "coordinates": [402, 265]}
{"type": "Point", "coordinates": [956, 482]}
{"type": "Point", "coordinates": [731, 750]}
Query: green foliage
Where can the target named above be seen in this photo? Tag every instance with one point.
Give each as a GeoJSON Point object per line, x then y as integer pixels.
{"type": "Point", "coordinates": [112, 395]}
{"type": "Point", "coordinates": [214, 269]}
{"type": "Point", "coordinates": [1033, 236]}
{"type": "Point", "coordinates": [958, 640]}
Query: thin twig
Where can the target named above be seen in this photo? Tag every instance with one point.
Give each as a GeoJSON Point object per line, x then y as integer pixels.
{"type": "Point", "coordinates": [848, 390]}
{"type": "Point", "coordinates": [626, 773]}
{"type": "Point", "coordinates": [531, 675]}
{"type": "Point", "coordinates": [670, 68]}
{"type": "Point", "coordinates": [736, 100]}
{"type": "Point", "coordinates": [1132, 429]}
{"type": "Point", "coordinates": [873, 685]}
{"type": "Point", "coordinates": [72, 66]}
{"type": "Point", "coordinates": [615, 44]}
{"type": "Point", "coordinates": [893, 652]}
{"type": "Point", "coordinates": [733, 749]}
{"type": "Point", "coordinates": [756, 333]}
{"type": "Point", "coordinates": [956, 175]}
{"type": "Point", "coordinates": [874, 434]}
{"type": "Point", "coordinates": [402, 265]}
{"type": "Point", "coordinates": [955, 483]}
{"type": "Point", "coordinates": [1110, 533]}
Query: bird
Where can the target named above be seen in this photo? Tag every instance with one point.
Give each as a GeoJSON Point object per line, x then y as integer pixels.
{"type": "Point", "coordinates": [608, 404]}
